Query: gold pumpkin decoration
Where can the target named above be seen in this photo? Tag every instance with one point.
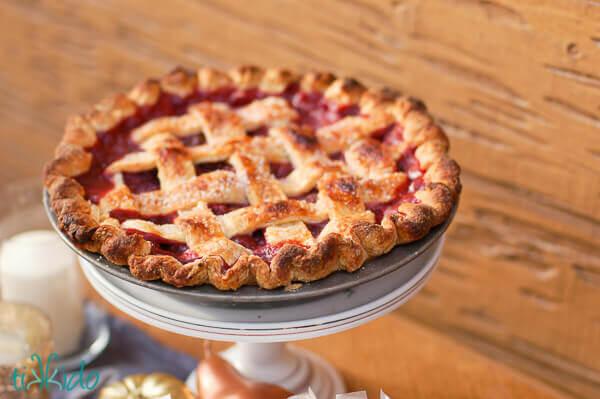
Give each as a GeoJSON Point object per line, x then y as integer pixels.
{"type": "Point", "coordinates": [146, 386]}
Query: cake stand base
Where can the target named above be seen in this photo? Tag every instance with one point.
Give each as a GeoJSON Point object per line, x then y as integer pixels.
{"type": "Point", "coordinates": [260, 331]}
{"type": "Point", "coordinates": [282, 364]}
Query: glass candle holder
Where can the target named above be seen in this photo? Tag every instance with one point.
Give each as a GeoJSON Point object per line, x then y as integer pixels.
{"type": "Point", "coordinates": [36, 267]}
{"type": "Point", "coordinates": [24, 332]}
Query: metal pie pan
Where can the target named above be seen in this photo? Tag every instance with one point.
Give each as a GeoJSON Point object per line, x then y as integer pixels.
{"type": "Point", "coordinates": [334, 283]}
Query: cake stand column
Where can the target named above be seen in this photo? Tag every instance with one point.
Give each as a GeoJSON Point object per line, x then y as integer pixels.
{"type": "Point", "coordinates": [282, 364]}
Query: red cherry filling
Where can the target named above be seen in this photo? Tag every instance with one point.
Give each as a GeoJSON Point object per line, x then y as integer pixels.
{"type": "Point", "coordinates": [310, 196]}
{"type": "Point", "coordinates": [244, 97]}
{"type": "Point", "coordinates": [196, 139]}
{"type": "Point", "coordinates": [266, 252]}
{"type": "Point", "coordinates": [163, 246]}
{"type": "Point", "coordinates": [281, 169]}
{"type": "Point", "coordinates": [316, 111]}
{"type": "Point", "coordinates": [222, 95]}
{"type": "Point", "coordinates": [337, 156]}
{"type": "Point", "coordinates": [167, 105]}
{"type": "Point", "coordinates": [115, 143]}
{"type": "Point", "coordinates": [221, 209]}
{"type": "Point", "coordinates": [109, 147]}
{"type": "Point", "coordinates": [394, 136]}
{"type": "Point", "coordinates": [95, 183]}
{"type": "Point", "coordinates": [141, 182]}
{"type": "Point", "coordinates": [257, 243]}
{"type": "Point", "coordinates": [123, 214]}
{"type": "Point", "coordinates": [316, 228]}
{"type": "Point", "coordinates": [261, 131]}
{"type": "Point", "coordinates": [313, 110]}
{"type": "Point", "coordinates": [416, 185]}
{"type": "Point", "coordinates": [251, 241]}
{"type": "Point", "coordinates": [382, 209]}
{"type": "Point", "coordinates": [212, 166]}
{"type": "Point", "coordinates": [345, 110]}
{"type": "Point", "coordinates": [409, 164]}
{"type": "Point", "coordinates": [382, 134]}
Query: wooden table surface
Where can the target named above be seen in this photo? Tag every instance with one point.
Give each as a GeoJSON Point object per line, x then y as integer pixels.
{"type": "Point", "coordinates": [515, 84]}
{"type": "Point", "coordinates": [396, 354]}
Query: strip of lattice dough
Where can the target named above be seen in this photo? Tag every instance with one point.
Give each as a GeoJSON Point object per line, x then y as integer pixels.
{"type": "Point", "coordinates": [215, 187]}
{"type": "Point", "coordinates": [341, 134]}
{"type": "Point", "coordinates": [289, 232]}
{"type": "Point", "coordinates": [218, 122]}
{"type": "Point", "coordinates": [181, 126]}
{"type": "Point", "coordinates": [174, 163]}
{"type": "Point", "coordinates": [309, 161]}
{"type": "Point", "coordinates": [167, 231]}
{"type": "Point", "coordinates": [204, 235]}
{"type": "Point", "coordinates": [199, 229]}
{"type": "Point", "coordinates": [268, 204]}
{"type": "Point", "coordinates": [249, 219]}
{"type": "Point", "coordinates": [205, 153]}
{"type": "Point", "coordinates": [253, 171]}
{"type": "Point", "coordinates": [340, 197]}
{"type": "Point", "coordinates": [270, 111]}
{"type": "Point", "coordinates": [119, 197]}
{"type": "Point", "coordinates": [375, 166]}
{"type": "Point", "coordinates": [221, 151]}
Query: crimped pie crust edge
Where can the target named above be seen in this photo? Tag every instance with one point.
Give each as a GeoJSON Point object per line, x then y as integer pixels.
{"type": "Point", "coordinates": [346, 250]}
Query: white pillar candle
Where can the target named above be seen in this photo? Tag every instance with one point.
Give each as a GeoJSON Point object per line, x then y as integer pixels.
{"type": "Point", "coordinates": [37, 268]}
{"type": "Point", "coordinates": [13, 349]}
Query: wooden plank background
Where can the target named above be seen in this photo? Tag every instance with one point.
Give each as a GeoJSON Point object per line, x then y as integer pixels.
{"type": "Point", "coordinates": [419, 363]}
{"type": "Point", "coordinates": [516, 84]}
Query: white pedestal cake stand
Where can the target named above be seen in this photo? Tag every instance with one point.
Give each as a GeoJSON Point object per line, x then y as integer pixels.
{"type": "Point", "coordinates": [261, 321]}
{"type": "Point", "coordinates": [260, 331]}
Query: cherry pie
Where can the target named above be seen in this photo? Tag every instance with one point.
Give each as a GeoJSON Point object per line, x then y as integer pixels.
{"type": "Point", "coordinates": [259, 177]}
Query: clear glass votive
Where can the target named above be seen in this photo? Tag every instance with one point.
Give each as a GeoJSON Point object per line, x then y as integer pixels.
{"type": "Point", "coordinates": [36, 267]}
{"type": "Point", "coordinates": [24, 331]}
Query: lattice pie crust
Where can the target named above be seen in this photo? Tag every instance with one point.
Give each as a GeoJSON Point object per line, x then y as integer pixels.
{"type": "Point", "coordinates": [256, 176]}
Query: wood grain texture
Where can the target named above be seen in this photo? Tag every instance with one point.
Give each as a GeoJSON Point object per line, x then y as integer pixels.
{"type": "Point", "coordinates": [411, 362]}
{"type": "Point", "coordinates": [514, 274]}
{"type": "Point", "coordinates": [516, 84]}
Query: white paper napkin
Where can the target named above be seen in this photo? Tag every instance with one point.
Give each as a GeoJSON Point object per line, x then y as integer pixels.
{"type": "Point", "coordinates": [307, 395]}
{"type": "Point", "coordinates": [351, 395]}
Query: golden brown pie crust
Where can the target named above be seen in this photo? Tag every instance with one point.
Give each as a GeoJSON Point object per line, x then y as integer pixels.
{"type": "Point", "coordinates": [351, 236]}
